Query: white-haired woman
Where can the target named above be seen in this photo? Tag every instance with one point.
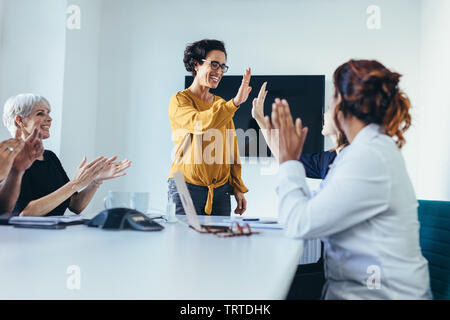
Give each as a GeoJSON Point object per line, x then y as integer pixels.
{"type": "Point", "coordinates": [46, 189]}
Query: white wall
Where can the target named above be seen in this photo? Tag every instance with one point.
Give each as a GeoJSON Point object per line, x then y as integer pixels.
{"type": "Point", "coordinates": [434, 118]}
{"type": "Point", "coordinates": [80, 103]}
{"type": "Point", "coordinates": [1, 21]}
{"type": "Point", "coordinates": [32, 56]}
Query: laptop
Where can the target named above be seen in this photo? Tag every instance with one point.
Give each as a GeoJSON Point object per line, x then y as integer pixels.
{"type": "Point", "coordinates": [189, 208]}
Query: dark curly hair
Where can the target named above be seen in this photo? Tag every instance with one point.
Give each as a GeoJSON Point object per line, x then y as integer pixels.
{"type": "Point", "coordinates": [370, 92]}
{"type": "Point", "coordinates": [198, 50]}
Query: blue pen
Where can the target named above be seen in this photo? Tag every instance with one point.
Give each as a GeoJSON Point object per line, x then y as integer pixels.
{"type": "Point", "coordinates": [250, 219]}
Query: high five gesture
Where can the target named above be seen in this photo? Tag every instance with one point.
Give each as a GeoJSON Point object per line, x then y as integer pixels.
{"type": "Point", "coordinates": [244, 89]}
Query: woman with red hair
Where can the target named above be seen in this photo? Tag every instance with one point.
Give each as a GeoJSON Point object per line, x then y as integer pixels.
{"type": "Point", "coordinates": [366, 211]}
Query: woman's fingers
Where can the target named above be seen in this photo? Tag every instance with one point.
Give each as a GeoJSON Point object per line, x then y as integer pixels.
{"type": "Point", "coordinates": [246, 82]}
{"type": "Point", "coordinates": [36, 143]}
{"type": "Point", "coordinates": [120, 174]}
{"type": "Point", "coordinates": [275, 116]}
{"type": "Point", "coordinates": [83, 162]}
{"type": "Point", "coordinates": [93, 171]}
{"type": "Point", "coordinates": [284, 117]}
{"type": "Point", "coordinates": [244, 89]}
{"type": "Point", "coordinates": [125, 165]}
{"type": "Point", "coordinates": [247, 75]}
{"type": "Point", "coordinates": [94, 162]}
{"type": "Point", "coordinates": [241, 205]}
{"type": "Point", "coordinates": [5, 145]}
{"type": "Point", "coordinates": [112, 159]}
{"type": "Point", "coordinates": [122, 165]}
{"type": "Point", "coordinates": [268, 124]}
{"type": "Point", "coordinates": [258, 103]}
{"type": "Point", "coordinates": [287, 113]}
{"type": "Point", "coordinates": [14, 148]}
{"type": "Point", "coordinates": [125, 161]}
{"type": "Point", "coordinates": [33, 136]}
{"type": "Point", "coordinates": [99, 165]}
{"type": "Point", "coordinates": [244, 205]}
{"type": "Point", "coordinates": [280, 113]}
{"type": "Point", "coordinates": [16, 143]}
{"type": "Point", "coordinates": [122, 168]}
{"type": "Point", "coordinates": [298, 126]}
{"type": "Point", "coordinates": [262, 92]}
{"type": "Point", "coordinates": [17, 148]}
{"type": "Point", "coordinates": [238, 206]}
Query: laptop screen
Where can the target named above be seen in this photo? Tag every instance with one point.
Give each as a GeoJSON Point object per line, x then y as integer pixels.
{"type": "Point", "coordinates": [186, 200]}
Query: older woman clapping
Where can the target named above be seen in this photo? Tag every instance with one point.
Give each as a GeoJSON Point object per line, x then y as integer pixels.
{"type": "Point", "coordinates": [46, 189]}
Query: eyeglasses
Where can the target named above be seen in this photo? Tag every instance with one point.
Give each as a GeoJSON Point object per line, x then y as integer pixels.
{"type": "Point", "coordinates": [235, 230]}
{"type": "Point", "coordinates": [216, 64]}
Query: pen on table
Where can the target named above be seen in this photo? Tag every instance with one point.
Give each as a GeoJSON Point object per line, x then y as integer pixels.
{"type": "Point", "coordinates": [250, 219]}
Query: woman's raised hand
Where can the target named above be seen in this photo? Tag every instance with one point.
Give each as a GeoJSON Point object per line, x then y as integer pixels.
{"type": "Point", "coordinates": [86, 173]}
{"type": "Point", "coordinates": [113, 169]}
{"type": "Point", "coordinates": [33, 149]}
{"type": "Point", "coordinates": [291, 137]}
{"type": "Point", "coordinates": [258, 105]}
{"type": "Point", "coordinates": [244, 89]}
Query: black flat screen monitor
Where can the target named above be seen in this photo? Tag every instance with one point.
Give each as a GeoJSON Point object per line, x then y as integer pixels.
{"type": "Point", "coordinates": [306, 98]}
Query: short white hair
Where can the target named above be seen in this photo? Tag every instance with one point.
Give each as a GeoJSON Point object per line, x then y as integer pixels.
{"type": "Point", "coordinates": [21, 105]}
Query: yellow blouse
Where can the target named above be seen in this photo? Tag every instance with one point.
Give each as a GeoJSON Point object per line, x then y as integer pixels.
{"type": "Point", "coordinates": [206, 149]}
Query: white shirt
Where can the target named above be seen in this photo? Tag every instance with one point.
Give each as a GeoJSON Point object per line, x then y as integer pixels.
{"type": "Point", "coordinates": [366, 215]}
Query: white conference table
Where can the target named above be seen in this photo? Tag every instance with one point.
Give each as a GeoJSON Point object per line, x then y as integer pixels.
{"type": "Point", "coordinates": [176, 263]}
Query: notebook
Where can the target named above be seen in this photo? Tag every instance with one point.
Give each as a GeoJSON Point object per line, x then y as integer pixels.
{"type": "Point", "coordinates": [47, 221]}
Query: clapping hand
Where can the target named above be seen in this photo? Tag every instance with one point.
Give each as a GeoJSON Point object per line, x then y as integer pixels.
{"type": "Point", "coordinates": [244, 89]}
{"type": "Point", "coordinates": [9, 149]}
{"type": "Point", "coordinates": [32, 149]}
{"type": "Point", "coordinates": [86, 173]}
{"type": "Point", "coordinates": [113, 169]}
{"type": "Point", "coordinates": [291, 138]}
{"type": "Point", "coordinates": [271, 136]}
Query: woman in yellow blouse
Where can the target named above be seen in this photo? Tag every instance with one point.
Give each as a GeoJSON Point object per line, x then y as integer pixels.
{"type": "Point", "coordinates": [204, 136]}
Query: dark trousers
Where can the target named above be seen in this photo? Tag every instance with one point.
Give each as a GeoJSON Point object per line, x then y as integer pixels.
{"type": "Point", "coordinates": [199, 194]}
{"type": "Point", "coordinates": [308, 282]}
